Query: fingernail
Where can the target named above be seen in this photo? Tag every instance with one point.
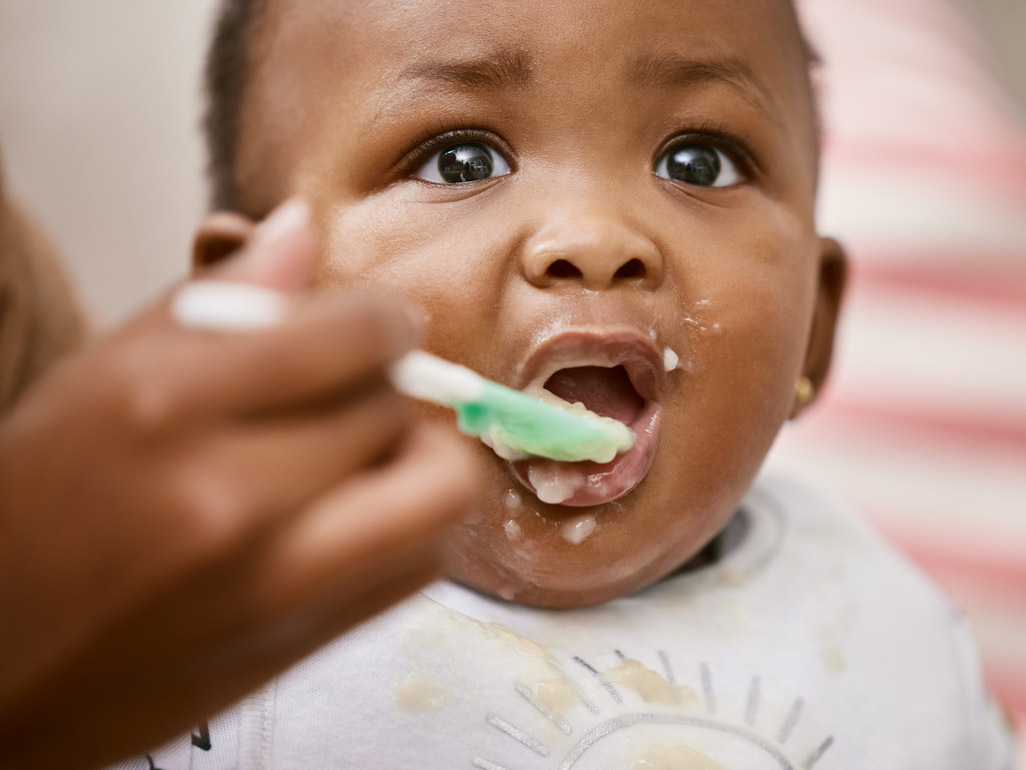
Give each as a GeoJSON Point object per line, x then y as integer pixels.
{"type": "Point", "coordinates": [223, 306]}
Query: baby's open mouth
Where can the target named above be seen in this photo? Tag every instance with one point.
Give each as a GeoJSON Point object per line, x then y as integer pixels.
{"type": "Point", "coordinates": [614, 375]}
{"type": "Point", "coordinates": [606, 391]}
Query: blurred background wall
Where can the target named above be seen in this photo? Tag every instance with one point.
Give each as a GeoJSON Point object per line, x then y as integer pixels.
{"type": "Point", "coordinates": [99, 114]}
{"type": "Point", "coordinates": [923, 427]}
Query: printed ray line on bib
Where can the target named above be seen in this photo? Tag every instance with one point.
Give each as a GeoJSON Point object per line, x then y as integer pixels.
{"type": "Point", "coordinates": [752, 709]}
{"type": "Point", "coordinates": [518, 735]}
{"type": "Point", "coordinates": [576, 687]}
{"type": "Point", "coordinates": [792, 720]}
{"type": "Point", "coordinates": [602, 680]}
{"type": "Point", "coordinates": [815, 756]}
{"type": "Point", "coordinates": [707, 687]}
{"type": "Point", "coordinates": [484, 764]}
{"type": "Point", "coordinates": [542, 709]}
{"type": "Point", "coordinates": [772, 745]}
{"type": "Point", "coordinates": [667, 668]}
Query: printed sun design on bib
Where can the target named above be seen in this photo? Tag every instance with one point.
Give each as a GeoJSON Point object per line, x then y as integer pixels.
{"type": "Point", "coordinates": [635, 717]}
{"type": "Point", "coordinates": [593, 695]}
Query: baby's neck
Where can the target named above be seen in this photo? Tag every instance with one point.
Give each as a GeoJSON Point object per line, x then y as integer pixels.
{"type": "Point", "coordinates": [724, 542]}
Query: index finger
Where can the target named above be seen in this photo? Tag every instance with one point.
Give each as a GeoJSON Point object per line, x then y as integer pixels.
{"type": "Point", "coordinates": [325, 346]}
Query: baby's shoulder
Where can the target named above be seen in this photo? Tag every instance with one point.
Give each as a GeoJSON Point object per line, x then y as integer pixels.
{"type": "Point", "coordinates": [869, 632]}
{"type": "Point", "coordinates": [818, 537]}
{"type": "Point", "coordinates": [823, 560]}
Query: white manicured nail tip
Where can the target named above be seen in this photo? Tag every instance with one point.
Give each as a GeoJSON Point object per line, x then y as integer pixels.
{"type": "Point", "coordinates": [224, 306]}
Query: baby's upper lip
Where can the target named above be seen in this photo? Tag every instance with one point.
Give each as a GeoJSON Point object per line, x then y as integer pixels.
{"type": "Point", "coordinates": [633, 350]}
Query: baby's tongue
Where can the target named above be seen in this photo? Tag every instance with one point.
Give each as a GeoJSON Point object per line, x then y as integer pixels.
{"type": "Point", "coordinates": [606, 391]}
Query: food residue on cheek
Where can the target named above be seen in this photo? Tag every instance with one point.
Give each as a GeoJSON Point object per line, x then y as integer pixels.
{"type": "Point", "coordinates": [699, 319]}
{"type": "Point", "coordinates": [417, 692]}
{"type": "Point", "coordinates": [576, 531]}
{"type": "Point", "coordinates": [670, 360]}
{"type": "Point", "coordinates": [675, 758]}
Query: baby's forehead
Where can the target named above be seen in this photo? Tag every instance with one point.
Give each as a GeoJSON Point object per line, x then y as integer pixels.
{"type": "Point", "coordinates": [374, 56]}
{"type": "Point", "coordinates": [607, 30]}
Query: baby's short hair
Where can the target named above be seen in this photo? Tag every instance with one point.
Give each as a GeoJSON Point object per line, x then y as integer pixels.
{"type": "Point", "coordinates": [227, 66]}
{"type": "Point", "coordinates": [225, 82]}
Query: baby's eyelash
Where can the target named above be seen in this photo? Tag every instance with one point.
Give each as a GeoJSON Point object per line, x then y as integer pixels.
{"type": "Point", "coordinates": [717, 135]}
{"type": "Point", "coordinates": [431, 142]}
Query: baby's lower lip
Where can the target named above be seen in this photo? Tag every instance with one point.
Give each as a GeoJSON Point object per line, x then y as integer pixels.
{"type": "Point", "coordinates": [584, 484]}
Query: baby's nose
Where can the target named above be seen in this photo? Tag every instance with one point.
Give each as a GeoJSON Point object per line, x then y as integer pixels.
{"type": "Point", "coordinates": [596, 249]}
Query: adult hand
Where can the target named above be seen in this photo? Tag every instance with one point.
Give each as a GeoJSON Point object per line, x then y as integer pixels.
{"type": "Point", "coordinates": [184, 512]}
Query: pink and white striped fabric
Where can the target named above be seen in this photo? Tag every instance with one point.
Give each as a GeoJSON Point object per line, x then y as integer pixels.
{"type": "Point", "coordinates": [923, 426]}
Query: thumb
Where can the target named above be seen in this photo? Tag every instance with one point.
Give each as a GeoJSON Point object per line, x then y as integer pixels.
{"type": "Point", "coordinates": [281, 255]}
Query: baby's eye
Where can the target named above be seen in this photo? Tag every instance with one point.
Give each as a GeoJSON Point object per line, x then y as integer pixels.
{"type": "Point", "coordinates": [459, 163]}
{"type": "Point", "coordinates": [698, 164]}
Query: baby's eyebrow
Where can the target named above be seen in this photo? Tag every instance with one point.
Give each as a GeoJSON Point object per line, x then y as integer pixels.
{"type": "Point", "coordinates": [504, 70]}
{"type": "Point", "coordinates": [672, 71]}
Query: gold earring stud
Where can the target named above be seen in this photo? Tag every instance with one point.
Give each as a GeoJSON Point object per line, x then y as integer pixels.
{"type": "Point", "coordinates": [804, 392]}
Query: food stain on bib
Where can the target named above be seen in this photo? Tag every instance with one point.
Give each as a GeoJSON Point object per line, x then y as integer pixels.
{"type": "Point", "coordinates": [651, 686]}
{"type": "Point", "coordinates": [417, 692]}
{"type": "Point", "coordinates": [675, 758]}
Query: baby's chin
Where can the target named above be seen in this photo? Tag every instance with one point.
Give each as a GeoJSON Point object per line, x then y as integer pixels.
{"type": "Point", "coordinates": [583, 587]}
{"type": "Point", "coordinates": [550, 571]}
{"type": "Point", "coordinates": [520, 549]}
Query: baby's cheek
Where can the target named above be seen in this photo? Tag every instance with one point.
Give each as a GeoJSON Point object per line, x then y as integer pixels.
{"type": "Point", "coordinates": [366, 244]}
{"type": "Point", "coordinates": [380, 250]}
{"type": "Point", "coordinates": [761, 358]}
{"type": "Point", "coordinates": [735, 385]}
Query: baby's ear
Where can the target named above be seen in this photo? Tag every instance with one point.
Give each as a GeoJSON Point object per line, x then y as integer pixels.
{"type": "Point", "coordinates": [220, 235]}
{"type": "Point", "coordinates": [833, 272]}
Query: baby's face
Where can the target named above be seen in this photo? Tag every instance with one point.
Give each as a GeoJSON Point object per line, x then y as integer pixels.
{"type": "Point", "coordinates": [569, 189]}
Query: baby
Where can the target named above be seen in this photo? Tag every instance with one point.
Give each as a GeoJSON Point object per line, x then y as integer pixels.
{"type": "Point", "coordinates": [613, 201]}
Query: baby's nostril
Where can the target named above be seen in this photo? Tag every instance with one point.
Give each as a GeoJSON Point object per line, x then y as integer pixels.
{"type": "Point", "coordinates": [562, 268]}
{"type": "Point", "coordinates": [633, 268]}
